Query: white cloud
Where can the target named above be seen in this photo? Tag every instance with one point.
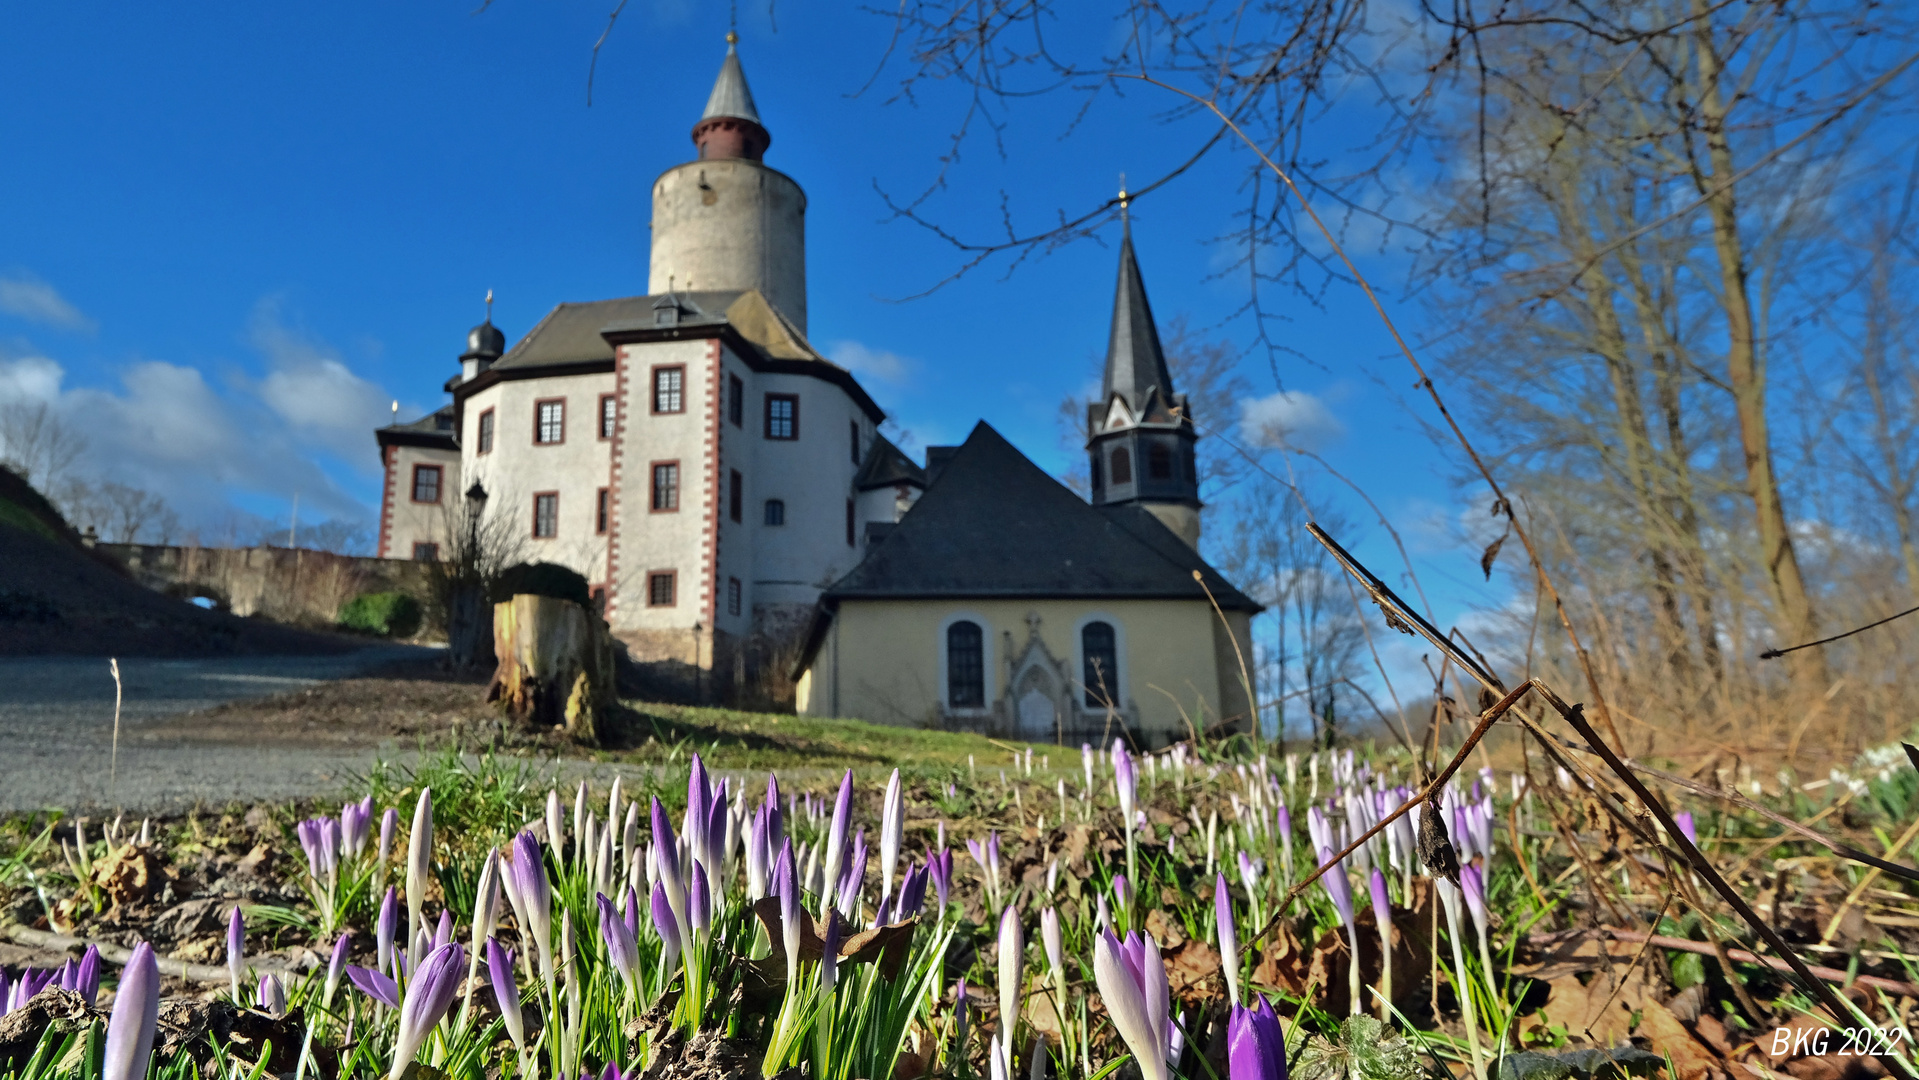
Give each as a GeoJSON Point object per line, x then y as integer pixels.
{"type": "Point", "coordinates": [880, 365]}
{"type": "Point", "coordinates": [34, 300]}
{"type": "Point", "coordinates": [1288, 418]}
{"type": "Point", "coordinates": [312, 389]}
{"type": "Point", "coordinates": [29, 378]}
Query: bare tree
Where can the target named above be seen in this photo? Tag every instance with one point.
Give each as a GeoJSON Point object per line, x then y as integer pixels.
{"type": "Point", "coordinates": [481, 541]}
{"type": "Point", "coordinates": [36, 443]}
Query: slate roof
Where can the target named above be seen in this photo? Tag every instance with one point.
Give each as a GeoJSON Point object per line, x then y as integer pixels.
{"type": "Point", "coordinates": [570, 333]}
{"type": "Point", "coordinates": [887, 465]}
{"type": "Point", "coordinates": [1135, 363]}
{"type": "Point", "coordinates": [730, 97]}
{"type": "Point", "coordinates": [993, 524]}
{"type": "Point", "coordinates": [438, 429]}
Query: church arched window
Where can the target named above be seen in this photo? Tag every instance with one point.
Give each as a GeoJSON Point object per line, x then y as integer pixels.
{"type": "Point", "coordinates": [1159, 462]}
{"type": "Point", "coordinates": [965, 666]}
{"type": "Point", "coordinates": [1099, 647]}
{"type": "Point", "coordinates": [1122, 466]}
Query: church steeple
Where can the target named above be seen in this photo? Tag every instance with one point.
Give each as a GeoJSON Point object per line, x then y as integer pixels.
{"type": "Point", "coordinates": [1140, 435]}
{"type": "Point", "coordinates": [730, 127]}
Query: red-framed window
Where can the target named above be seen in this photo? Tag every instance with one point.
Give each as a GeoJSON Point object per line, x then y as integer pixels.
{"type": "Point", "coordinates": [546, 515]}
{"type": "Point", "coordinates": [661, 588]}
{"type": "Point", "coordinates": [549, 421]}
{"type": "Point", "coordinates": [426, 483]}
{"type": "Point", "coordinates": [783, 416]}
{"type": "Point", "coordinates": [484, 439]}
{"type": "Point", "coordinates": [609, 414]}
{"type": "Point", "coordinates": [669, 389]}
{"type": "Point", "coordinates": [665, 487]}
{"type": "Point", "coordinates": [601, 500]}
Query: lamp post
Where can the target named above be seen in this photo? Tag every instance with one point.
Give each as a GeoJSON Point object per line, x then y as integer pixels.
{"type": "Point", "coordinates": [475, 506]}
{"type": "Point", "coordinates": [466, 635]}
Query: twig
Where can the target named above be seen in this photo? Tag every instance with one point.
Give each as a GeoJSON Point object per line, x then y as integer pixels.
{"type": "Point", "coordinates": [1774, 654]}
{"type": "Point", "coordinates": [1891, 986]}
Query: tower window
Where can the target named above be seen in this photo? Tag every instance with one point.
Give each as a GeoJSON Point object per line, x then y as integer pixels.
{"type": "Point", "coordinates": [732, 596]}
{"type": "Point", "coordinates": [1099, 650]}
{"type": "Point", "coordinates": [1122, 466]}
{"type": "Point", "coordinates": [735, 495]}
{"type": "Point", "coordinates": [1159, 462]}
{"type": "Point", "coordinates": [1098, 479]}
{"type": "Point", "coordinates": [546, 515]}
{"type": "Point", "coordinates": [782, 416]}
{"type": "Point", "coordinates": [609, 412]}
{"type": "Point", "coordinates": [855, 428]}
{"type": "Point", "coordinates": [965, 666]}
{"type": "Point", "coordinates": [549, 421]}
{"type": "Point", "coordinates": [735, 400]}
{"type": "Point", "coordinates": [486, 432]}
{"type": "Point", "coordinates": [426, 483]}
{"type": "Point", "coordinates": [775, 511]}
{"type": "Point", "coordinates": [659, 588]}
{"type": "Point", "coordinates": [425, 552]}
{"type": "Point", "coordinates": [666, 486]}
{"type": "Point", "coordinates": [849, 523]}
{"type": "Point", "coordinates": [600, 513]}
{"type": "Point", "coordinates": [669, 389]}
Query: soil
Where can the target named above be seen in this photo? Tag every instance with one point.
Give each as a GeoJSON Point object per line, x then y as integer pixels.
{"type": "Point", "coordinates": [414, 701]}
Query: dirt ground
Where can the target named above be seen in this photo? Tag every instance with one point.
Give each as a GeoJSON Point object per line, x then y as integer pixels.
{"type": "Point", "coordinates": [413, 701]}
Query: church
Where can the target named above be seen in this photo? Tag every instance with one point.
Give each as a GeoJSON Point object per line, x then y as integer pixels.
{"type": "Point", "coordinates": [751, 537]}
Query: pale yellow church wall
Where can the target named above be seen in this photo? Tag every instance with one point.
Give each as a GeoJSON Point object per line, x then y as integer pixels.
{"type": "Point", "coordinates": [882, 659]}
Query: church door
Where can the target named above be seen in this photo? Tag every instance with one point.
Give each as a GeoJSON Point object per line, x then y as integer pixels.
{"type": "Point", "coordinates": [1037, 720]}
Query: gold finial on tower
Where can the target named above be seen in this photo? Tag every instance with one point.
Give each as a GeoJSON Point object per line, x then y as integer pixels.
{"type": "Point", "coordinates": [489, 305]}
{"type": "Point", "coordinates": [732, 37]}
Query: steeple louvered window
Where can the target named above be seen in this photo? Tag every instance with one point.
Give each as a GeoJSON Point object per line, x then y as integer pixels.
{"type": "Point", "coordinates": [1122, 466]}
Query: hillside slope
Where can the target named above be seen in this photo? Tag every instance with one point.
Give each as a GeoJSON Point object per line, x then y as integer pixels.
{"type": "Point", "coordinates": [59, 597]}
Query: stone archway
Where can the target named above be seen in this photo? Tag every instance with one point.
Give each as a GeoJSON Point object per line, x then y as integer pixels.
{"type": "Point", "coordinates": [1038, 695]}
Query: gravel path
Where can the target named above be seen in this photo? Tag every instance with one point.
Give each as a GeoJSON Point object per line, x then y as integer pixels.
{"type": "Point", "coordinates": [56, 728]}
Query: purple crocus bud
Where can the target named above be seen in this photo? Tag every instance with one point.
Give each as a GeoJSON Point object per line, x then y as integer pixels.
{"type": "Point", "coordinates": [892, 829]}
{"type": "Point", "coordinates": [1473, 883]}
{"type": "Point", "coordinates": [1102, 913]}
{"type": "Point", "coordinates": [1382, 905]}
{"type": "Point", "coordinates": [786, 883]}
{"type": "Point", "coordinates": [499, 970]}
{"type": "Point", "coordinates": [622, 951]}
{"type": "Point", "coordinates": [1337, 887]}
{"type": "Point", "coordinates": [775, 825]}
{"type": "Point", "coordinates": [308, 835]}
{"type": "Point", "coordinates": [940, 866]}
{"type": "Point", "coordinates": [699, 905]}
{"type": "Point", "coordinates": [1122, 892]}
{"type": "Point", "coordinates": [527, 870]}
{"type": "Point", "coordinates": [1482, 823]}
{"type": "Point", "coordinates": [1132, 983]}
{"type": "Point", "coordinates": [1684, 820]}
{"type": "Point", "coordinates": [632, 913]}
{"type": "Point", "coordinates": [836, 836]}
{"type": "Point", "coordinates": [419, 862]}
{"type": "Point", "coordinates": [912, 897]}
{"type": "Point", "coordinates": [666, 847]}
{"type": "Point", "coordinates": [1125, 783]}
{"type": "Point", "coordinates": [6, 1001]}
{"type": "Point", "coordinates": [853, 878]}
{"type": "Point", "coordinates": [236, 951]}
{"type": "Point", "coordinates": [1255, 1043]}
{"type": "Point", "coordinates": [435, 982]}
{"type": "Point", "coordinates": [1049, 937]}
{"type": "Point", "coordinates": [830, 949]}
{"type": "Point", "coordinates": [1012, 960]}
{"type": "Point", "coordinates": [1228, 937]}
{"type": "Point", "coordinates": [271, 998]}
{"type": "Point", "coordinates": [1086, 763]}
{"type": "Point", "coordinates": [334, 968]}
{"type": "Point", "coordinates": [136, 1016]}
{"type": "Point", "coordinates": [1248, 873]}
{"type": "Point", "coordinates": [386, 929]}
{"type": "Point", "coordinates": [443, 932]}
{"type": "Point", "coordinates": [374, 985]}
{"type": "Point", "coordinates": [667, 925]}
{"type": "Point", "coordinates": [388, 822]}
{"type": "Point", "coordinates": [756, 856]}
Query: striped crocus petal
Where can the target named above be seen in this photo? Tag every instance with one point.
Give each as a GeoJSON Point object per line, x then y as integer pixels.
{"type": "Point", "coordinates": [1473, 884]}
{"type": "Point", "coordinates": [1336, 885]}
{"type": "Point", "coordinates": [622, 951]}
{"type": "Point", "coordinates": [374, 985]}
{"type": "Point", "coordinates": [435, 982]}
{"type": "Point", "coordinates": [1122, 989]}
{"type": "Point", "coordinates": [667, 925]}
{"type": "Point", "coordinates": [135, 1019]}
{"type": "Point", "coordinates": [1228, 937]}
{"type": "Point", "coordinates": [786, 884]}
{"type": "Point", "coordinates": [1382, 903]}
{"type": "Point", "coordinates": [499, 971]}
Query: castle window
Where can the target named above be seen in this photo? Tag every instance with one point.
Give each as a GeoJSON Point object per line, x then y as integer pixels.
{"type": "Point", "coordinates": [732, 596]}
{"type": "Point", "coordinates": [549, 421]}
{"type": "Point", "coordinates": [855, 426]}
{"type": "Point", "coordinates": [666, 486]}
{"type": "Point", "coordinates": [486, 432]}
{"type": "Point", "coordinates": [735, 400]}
{"type": "Point", "coordinates": [600, 514]}
{"type": "Point", "coordinates": [775, 511]}
{"type": "Point", "coordinates": [782, 416]}
{"type": "Point", "coordinates": [659, 588]}
{"type": "Point", "coordinates": [609, 413]}
{"type": "Point", "coordinates": [426, 483]}
{"type": "Point", "coordinates": [1122, 466]}
{"type": "Point", "coordinates": [1098, 480]}
{"type": "Point", "coordinates": [423, 552]}
{"type": "Point", "coordinates": [1159, 462]}
{"type": "Point", "coordinates": [546, 515]}
{"type": "Point", "coordinates": [965, 666]}
{"type": "Point", "coordinates": [735, 495]}
{"type": "Point", "coordinates": [1099, 648]}
{"type": "Point", "coordinates": [849, 523]}
{"type": "Point", "coordinates": [668, 389]}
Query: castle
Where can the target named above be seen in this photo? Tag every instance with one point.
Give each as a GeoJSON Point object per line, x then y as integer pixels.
{"type": "Point", "coordinates": [727, 493]}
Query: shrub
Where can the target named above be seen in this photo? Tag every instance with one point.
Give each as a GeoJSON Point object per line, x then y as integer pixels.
{"type": "Point", "coordinates": [539, 579]}
{"type": "Point", "coordinates": [388, 614]}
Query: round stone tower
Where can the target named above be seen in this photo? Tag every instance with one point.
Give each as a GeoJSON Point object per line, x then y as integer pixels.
{"type": "Point", "coordinates": [724, 220]}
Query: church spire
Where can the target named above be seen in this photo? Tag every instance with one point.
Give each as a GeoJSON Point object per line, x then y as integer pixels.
{"type": "Point", "coordinates": [730, 127]}
{"type": "Point", "coordinates": [1135, 364]}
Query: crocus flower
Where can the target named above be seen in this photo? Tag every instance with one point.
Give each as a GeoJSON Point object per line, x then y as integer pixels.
{"type": "Point", "coordinates": [667, 925]}
{"type": "Point", "coordinates": [1132, 982]}
{"type": "Point", "coordinates": [699, 905]}
{"type": "Point", "coordinates": [271, 998]}
{"type": "Point", "coordinates": [1228, 937]}
{"type": "Point", "coordinates": [912, 896]}
{"type": "Point", "coordinates": [1449, 896]}
{"type": "Point", "coordinates": [1255, 1043]}
{"type": "Point", "coordinates": [1472, 882]}
{"type": "Point", "coordinates": [526, 869]}
{"type": "Point", "coordinates": [136, 1016]}
{"type": "Point", "coordinates": [443, 931]}
{"type": "Point", "coordinates": [419, 861]}
{"type": "Point", "coordinates": [757, 857]}
{"type": "Point", "coordinates": [389, 821]}
{"type": "Point", "coordinates": [631, 914]}
{"type": "Point", "coordinates": [940, 866]}
{"type": "Point", "coordinates": [892, 828]}
{"type": "Point", "coordinates": [499, 969]}
{"type": "Point", "coordinates": [1012, 959]}
{"type": "Point", "coordinates": [374, 985]}
{"type": "Point", "coordinates": [236, 950]}
{"type": "Point", "coordinates": [80, 976]}
{"type": "Point", "coordinates": [786, 883]}
{"type": "Point", "coordinates": [836, 839]}
{"type": "Point", "coordinates": [666, 857]}
{"type": "Point", "coordinates": [853, 878]}
{"type": "Point", "coordinates": [1684, 819]}
{"type": "Point", "coordinates": [621, 950]}
{"type": "Point", "coordinates": [385, 929]}
{"type": "Point", "coordinates": [1383, 916]}
{"type": "Point", "coordinates": [1341, 891]}
{"type": "Point", "coordinates": [429, 993]}
{"type": "Point", "coordinates": [335, 967]}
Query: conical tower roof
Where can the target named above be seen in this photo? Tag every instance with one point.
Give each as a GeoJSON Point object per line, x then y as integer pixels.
{"type": "Point", "coordinates": [1135, 363]}
{"type": "Point", "coordinates": [730, 97]}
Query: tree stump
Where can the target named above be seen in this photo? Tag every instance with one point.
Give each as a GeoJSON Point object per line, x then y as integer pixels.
{"type": "Point", "coordinates": [555, 665]}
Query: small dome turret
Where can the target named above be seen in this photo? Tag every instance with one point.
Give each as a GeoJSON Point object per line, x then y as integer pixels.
{"type": "Point", "coordinates": [484, 343]}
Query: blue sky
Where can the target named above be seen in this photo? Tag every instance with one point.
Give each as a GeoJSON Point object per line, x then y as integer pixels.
{"type": "Point", "coordinates": [231, 234]}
